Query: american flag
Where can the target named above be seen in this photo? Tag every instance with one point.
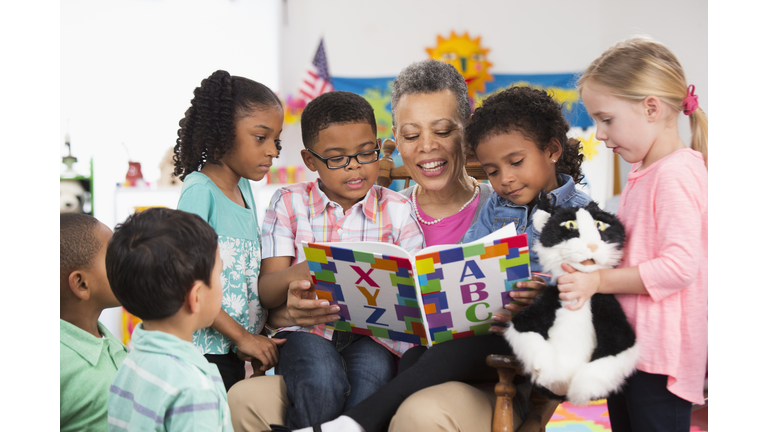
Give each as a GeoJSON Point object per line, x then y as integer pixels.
{"type": "Point", "coordinates": [317, 79]}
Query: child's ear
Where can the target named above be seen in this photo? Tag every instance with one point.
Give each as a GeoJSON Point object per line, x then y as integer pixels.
{"type": "Point", "coordinates": [193, 299]}
{"type": "Point", "coordinates": [652, 108]}
{"type": "Point", "coordinates": [554, 149]}
{"type": "Point", "coordinates": [79, 286]}
{"type": "Point", "coordinates": [309, 160]}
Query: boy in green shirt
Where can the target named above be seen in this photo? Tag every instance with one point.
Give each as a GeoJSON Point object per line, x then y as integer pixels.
{"type": "Point", "coordinates": [164, 267]}
{"type": "Point", "coordinates": [90, 354]}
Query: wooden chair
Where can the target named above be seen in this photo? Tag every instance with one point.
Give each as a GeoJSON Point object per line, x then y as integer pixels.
{"type": "Point", "coordinates": [507, 366]}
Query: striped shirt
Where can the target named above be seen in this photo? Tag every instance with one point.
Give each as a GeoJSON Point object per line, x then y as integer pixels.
{"type": "Point", "coordinates": [165, 384]}
{"type": "Point", "coordinates": [302, 212]}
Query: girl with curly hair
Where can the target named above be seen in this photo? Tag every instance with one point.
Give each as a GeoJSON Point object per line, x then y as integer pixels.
{"type": "Point", "coordinates": [228, 136]}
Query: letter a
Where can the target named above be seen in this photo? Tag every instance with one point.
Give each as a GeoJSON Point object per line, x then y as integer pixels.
{"type": "Point", "coordinates": [474, 271]}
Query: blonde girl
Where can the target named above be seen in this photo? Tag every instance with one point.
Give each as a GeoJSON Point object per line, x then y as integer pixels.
{"type": "Point", "coordinates": [635, 92]}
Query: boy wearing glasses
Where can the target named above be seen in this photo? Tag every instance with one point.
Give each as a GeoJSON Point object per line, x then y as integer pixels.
{"type": "Point", "coordinates": [328, 372]}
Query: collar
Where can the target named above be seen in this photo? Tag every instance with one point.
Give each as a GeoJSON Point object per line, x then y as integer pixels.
{"type": "Point", "coordinates": [562, 194]}
{"type": "Point", "coordinates": [318, 201]}
{"type": "Point", "coordinates": [87, 345]}
{"type": "Point", "coordinates": [159, 342]}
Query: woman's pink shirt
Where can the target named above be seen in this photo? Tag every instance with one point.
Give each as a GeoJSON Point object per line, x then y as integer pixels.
{"type": "Point", "coordinates": [664, 210]}
{"type": "Point", "coordinates": [452, 228]}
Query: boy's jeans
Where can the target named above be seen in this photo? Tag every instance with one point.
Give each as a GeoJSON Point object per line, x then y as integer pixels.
{"type": "Point", "coordinates": [325, 378]}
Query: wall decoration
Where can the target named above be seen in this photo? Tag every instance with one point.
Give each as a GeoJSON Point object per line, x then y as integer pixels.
{"type": "Point", "coordinates": [589, 146]}
{"type": "Point", "coordinates": [561, 86]}
{"type": "Point", "coordinates": [316, 81]}
{"type": "Point", "coordinates": [467, 56]}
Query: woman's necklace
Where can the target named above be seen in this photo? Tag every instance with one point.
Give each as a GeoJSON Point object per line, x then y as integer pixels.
{"type": "Point", "coordinates": [416, 205]}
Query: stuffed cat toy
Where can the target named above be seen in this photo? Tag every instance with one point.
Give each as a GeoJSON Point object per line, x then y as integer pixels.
{"type": "Point", "coordinates": [578, 355]}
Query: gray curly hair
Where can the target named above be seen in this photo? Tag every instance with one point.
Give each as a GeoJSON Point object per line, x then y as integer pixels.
{"type": "Point", "coordinates": [431, 76]}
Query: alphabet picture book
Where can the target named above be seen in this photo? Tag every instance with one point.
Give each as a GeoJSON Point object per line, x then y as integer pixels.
{"type": "Point", "coordinates": [441, 293]}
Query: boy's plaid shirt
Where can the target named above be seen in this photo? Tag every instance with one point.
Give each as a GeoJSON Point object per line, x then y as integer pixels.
{"type": "Point", "coordinates": [302, 212]}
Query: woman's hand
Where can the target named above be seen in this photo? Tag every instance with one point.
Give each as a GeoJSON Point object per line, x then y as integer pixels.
{"type": "Point", "coordinates": [260, 350]}
{"type": "Point", "coordinates": [522, 296]}
{"type": "Point", "coordinates": [577, 286]}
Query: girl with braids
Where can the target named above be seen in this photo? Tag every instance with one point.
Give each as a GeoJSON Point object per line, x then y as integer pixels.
{"type": "Point", "coordinates": [519, 136]}
{"type": "Point", "coordinates": [228, 136]}
{"type": "Point", "coordinates": [635, 92]}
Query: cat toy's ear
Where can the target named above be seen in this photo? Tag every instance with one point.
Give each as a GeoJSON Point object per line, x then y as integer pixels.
{"type": "Point", "coordinates": [541, 216]}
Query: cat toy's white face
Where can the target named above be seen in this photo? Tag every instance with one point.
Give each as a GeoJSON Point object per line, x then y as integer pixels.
{"type": "Point", "coordinates": [588, 239]}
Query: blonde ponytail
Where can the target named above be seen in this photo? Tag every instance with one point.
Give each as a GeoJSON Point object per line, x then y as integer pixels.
{"type": "Point", "coordinates": [699, 133]}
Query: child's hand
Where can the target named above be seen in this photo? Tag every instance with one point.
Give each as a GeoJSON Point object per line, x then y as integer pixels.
{"type": "Point", "coordinates": [577, 286]}
{"type": "Point", "coordinates": [307, 310]}
{"type": "Point", "coordinates": [524, 294]}
{"type": "Point", "coordinates": [258, 348]}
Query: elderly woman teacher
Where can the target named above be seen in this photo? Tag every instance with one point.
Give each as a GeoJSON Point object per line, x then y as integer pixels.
{"type": "Point", "coordinates": [431, 107]}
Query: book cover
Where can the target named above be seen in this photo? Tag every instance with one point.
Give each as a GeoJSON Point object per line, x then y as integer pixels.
{"type": "Point", "coordinates": [440, 293]}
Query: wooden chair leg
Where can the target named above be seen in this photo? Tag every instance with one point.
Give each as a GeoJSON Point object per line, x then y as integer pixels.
{"type": "Point", "coordinates": [543, 409]}
{"type": "Point", "coordinates": [507, 367]}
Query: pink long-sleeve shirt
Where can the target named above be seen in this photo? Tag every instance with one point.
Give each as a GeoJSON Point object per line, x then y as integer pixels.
{"type": "Point", "coordinates": [664, 211]}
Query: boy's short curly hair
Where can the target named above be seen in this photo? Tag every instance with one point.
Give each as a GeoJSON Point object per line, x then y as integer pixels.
{"type": "Point", "coordinates": [534, 114]}
{"type": "Point", "coordinates": [332, 108]}
{"type": "Point", "coordinates": [78, 242]}
{"type": "Point", "coordinates": [207, 131]}
{"type": "Point", "coordinates": [155, 257]}
{"type": "Point", "coordinates": [431, 76]}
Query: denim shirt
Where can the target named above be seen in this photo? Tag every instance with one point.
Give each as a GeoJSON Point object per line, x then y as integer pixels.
{"type": "Point", "coordinates": [498, 212]}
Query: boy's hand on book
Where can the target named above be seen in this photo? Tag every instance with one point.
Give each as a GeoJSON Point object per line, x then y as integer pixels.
{"type": "Point", "coordinates": [577, 286]}
{"type": "Point", "coordinates": [305, 308]}
{"type": "Point", "coordinates": [258, 348]}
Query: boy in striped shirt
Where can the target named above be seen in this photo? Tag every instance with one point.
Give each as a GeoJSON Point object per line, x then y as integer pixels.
{"type": "Point", "coordinates": [164, 267]}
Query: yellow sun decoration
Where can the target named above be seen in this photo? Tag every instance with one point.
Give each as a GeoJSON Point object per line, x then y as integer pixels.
{"type": "Point", "coordinates": [467, 56]}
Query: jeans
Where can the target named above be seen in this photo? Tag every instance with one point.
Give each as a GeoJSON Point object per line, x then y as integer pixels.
{"type": "Point", "coordinates": [645, 404]}
{"type": "Point", "coordinates": [324, 378]}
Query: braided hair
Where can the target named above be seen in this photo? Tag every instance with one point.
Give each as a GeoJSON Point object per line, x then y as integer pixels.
{"type": "Point", "coordinates": [207, 131]}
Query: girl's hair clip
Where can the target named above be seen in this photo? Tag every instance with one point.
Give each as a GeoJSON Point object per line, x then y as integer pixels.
{"type": "Point", "coordinates": [691, 102]}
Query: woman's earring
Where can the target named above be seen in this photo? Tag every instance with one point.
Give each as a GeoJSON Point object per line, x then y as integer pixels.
{"type": "Point", "coordinates": [554, 160]}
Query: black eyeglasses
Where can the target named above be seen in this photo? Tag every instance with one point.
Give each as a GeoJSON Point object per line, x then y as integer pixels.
{"type": "Point", "coordinates": [338, 162]}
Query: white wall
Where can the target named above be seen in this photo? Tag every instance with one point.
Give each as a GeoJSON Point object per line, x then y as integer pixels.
{"type": "Point", "coordinates": [372, 39]}
{"type": "Point", "coordinates": [128, 69]}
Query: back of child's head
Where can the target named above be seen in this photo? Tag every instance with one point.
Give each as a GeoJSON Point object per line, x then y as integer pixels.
{"type": "Point", "coordinates": [156, 256]}
{"type": "Point", "coordinates": [640, 67]}
{"type": "Point", "coordinates": [207, 131]}
{"type": "Point", "coordinates": [532, 113]}
{"type": "Point", "coordinates": [79, 243]}
{"type": "Point", "coordinates": [332, 108]}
